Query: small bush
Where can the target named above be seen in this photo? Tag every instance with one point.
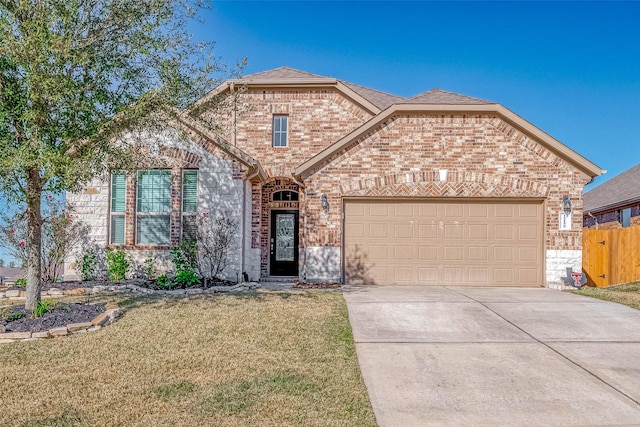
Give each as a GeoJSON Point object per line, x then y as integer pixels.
{"type": "Point", "coordinates": [14, 316]}
{"type": "Point", "coordinates": [88, 263]}
{"type": "Point", "coordinates": [117, 265]}
{"type": "Point", "coordinates": [187, 279]}
{"type": "Point", "coordinates": [164, 281]}
{"type": "Point", "coordinates": [150, 268]}
{"type": "Point", "coordinates": [21, 282]}
{"type": "Point", "coordinates": [43, 307]}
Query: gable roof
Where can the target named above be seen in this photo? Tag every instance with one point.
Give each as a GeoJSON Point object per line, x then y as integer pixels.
{"type": "Point", "coordinates": [620, 190]}
{"type": "Point", "coordinates": [369, 99]}
{"type": "Point", "coordinates": [439, 96]}
{"type": "Point", "coordinates": [319, 160]}
{"type": "Point", "coordinates": [280, 73]}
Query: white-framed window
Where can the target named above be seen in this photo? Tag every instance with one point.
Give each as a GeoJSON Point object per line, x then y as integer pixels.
{"type": "Point", "coordinates": [625, 217]}
{"type": "Point", "coordinates": [153, 207]}
{"type": "Point", "coordinates": [118, 207]}
{"type": "Point", "coordinates": [189, 203]}
{"type": "Point", "coordinates": [280, 135]}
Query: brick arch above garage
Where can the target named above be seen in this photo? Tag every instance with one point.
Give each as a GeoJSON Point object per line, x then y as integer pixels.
{"type": "Point", "coordinates": [457, 184]}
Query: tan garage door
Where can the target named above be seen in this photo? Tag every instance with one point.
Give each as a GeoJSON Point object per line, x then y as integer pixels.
{"type": "Point", "coordinates": [443, 243]}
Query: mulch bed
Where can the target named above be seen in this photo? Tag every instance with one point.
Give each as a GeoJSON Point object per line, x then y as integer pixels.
{"type": "Point", "coordinates": [143, 283]}
{"type": "Point", "coordinates": [61, 314]}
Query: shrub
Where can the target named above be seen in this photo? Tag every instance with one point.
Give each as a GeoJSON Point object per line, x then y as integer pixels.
{"type": "Point", "coordinates": [87, 265]}
{"type": "Point", "coordinates": [216, 237]}
{"type": "Point", "coordinates": [187, 279]}
{"type": "Point", "coordinates": [164, 281]}
{"type": "Point", "coordinates": [21, 282]}
{"type": "Point", "coordinates": [150, 268]}
{"type": "Point", "coordinates": [117, 265]}
{"type": "Point", "coordinates": [185, 257]}
{"type": "Point", "coordinates": [43, 307]}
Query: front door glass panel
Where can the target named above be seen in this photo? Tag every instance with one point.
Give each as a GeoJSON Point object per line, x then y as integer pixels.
{"type": "Point", "coordinates": [285, 229]}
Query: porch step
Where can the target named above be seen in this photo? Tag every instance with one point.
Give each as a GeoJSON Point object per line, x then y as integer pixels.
{"type": "Point", "coordinates": [279, 279]}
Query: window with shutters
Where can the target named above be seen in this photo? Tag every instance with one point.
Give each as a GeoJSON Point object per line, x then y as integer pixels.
{"type": "Point", "coordinates": [189, 203]}
{"type": "Point", "coordinates": [157, 206]}
{"type": "Point", "coordinates": [153, 212]}
{"type": "Point", "coordinates": [118, 204]}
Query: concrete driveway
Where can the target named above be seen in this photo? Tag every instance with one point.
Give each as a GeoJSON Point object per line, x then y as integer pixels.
{"type": "Point", "coordinates": [496, 356]}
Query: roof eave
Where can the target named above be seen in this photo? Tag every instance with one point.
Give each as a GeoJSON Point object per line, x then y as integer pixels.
{"type": "Point", "coordinates": [614, 205]}
{"type": "Point", "coordinates": [556, 146]}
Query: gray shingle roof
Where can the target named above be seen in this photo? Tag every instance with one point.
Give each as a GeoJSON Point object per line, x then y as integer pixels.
{"type": "Point", "coordinates": [280, 73]}
{"type": "Point", "coordinates": [12, 273]}
{"type": "Point", "coordinates": [378, 98]}
{"type": "Point", "coordinates": [618, 191]}
{"type": "Point", "coordinates": [439, 96]}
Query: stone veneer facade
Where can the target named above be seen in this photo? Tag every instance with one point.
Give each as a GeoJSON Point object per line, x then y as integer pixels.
{"type": "Point", "coordinates": [485, 156]}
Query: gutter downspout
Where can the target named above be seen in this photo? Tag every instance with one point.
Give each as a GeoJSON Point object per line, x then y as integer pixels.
{"type": "Point", "coordinates": [596, 219]}
{"type": "Point", "coordinates": [244, 212]}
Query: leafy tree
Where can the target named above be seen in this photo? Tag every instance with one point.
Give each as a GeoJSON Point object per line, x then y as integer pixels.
{"type": "Point", "coordinates": [77, 75]}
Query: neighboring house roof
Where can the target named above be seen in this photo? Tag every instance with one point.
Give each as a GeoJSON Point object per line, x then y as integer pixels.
{"type": "Point", "coordinates": [439, 96]}
{"type": "Point", "coordinates": [620, 190]}
{"type": "Point", "coordinates": [11, 273]}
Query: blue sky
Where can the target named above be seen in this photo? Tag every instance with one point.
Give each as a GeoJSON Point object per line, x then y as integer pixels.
{"type": "Point", "coordinates": [570, 68]}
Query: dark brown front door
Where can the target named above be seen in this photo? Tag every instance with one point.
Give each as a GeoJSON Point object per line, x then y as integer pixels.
{"type": "Point", "coordinates": [284, 243]}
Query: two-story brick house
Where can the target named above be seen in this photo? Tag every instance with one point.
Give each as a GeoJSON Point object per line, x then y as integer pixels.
{"type": "Point", "coordinates": [332, 181]}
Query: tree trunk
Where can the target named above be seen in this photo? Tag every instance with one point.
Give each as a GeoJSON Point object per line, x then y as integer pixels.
{"type": "Point", "coordinates": [34, 239]}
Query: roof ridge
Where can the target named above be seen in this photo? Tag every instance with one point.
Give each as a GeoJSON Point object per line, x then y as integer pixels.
{"type": "Point", "coordinates": [280, 70]}
{"type": "Point", "coordinates": [447, 93]}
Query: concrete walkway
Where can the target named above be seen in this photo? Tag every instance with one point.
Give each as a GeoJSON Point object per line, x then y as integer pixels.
{"type": "Point", "coordinates": [495, 356]}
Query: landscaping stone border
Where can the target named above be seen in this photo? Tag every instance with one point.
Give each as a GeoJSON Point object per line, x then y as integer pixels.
{"type": "Point", "coordinates": [112, 312]}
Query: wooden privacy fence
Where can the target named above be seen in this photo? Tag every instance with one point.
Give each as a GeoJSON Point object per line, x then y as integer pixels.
{"type": "Point", "coordinates": [611, 257]}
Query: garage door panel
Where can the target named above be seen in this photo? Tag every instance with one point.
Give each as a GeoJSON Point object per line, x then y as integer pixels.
{"type": "Point", "coordinates": [435, 243]}
{"type": "Point", "coordinates": [379, 230]}
{"type": "Point", "coordinates": [403, 231]}
{"type": "Point", "coordinates": [428, 231]}
{"type": "Point", "coordinates": [478, 231]}
{"type": "Point", "coordinates": [428, 253]}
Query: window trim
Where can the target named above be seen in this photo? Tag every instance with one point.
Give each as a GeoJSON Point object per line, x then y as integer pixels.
{"type": "Point", "coordinates": [280, 132]}
{"type": "Point", "coordinates": [152, 214]}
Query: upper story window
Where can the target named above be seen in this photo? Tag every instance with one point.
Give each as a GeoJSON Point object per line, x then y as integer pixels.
{"type": "Point", "coordinates": [153, 213]}
{"type": "Point", "coordinates": [625, 217]}
{"type": "Point", "coordinates": [280, 135]}
{"type": "Point", "coordinates": [285, 196]}
{"type": "Point", "coordinates": [118, 205]}
{"type": "Point", "coordinates": [189, 203]}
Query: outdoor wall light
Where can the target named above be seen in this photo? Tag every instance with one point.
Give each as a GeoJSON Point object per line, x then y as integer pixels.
{"type": "Point", "coordinates": [566, 204]}
{"type": "Point", "coordinates": [324, 202]}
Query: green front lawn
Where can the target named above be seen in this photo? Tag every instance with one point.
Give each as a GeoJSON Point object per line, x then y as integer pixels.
{"type": "Point", "coordinates": [261, 358]}
{"type": "Point", "coordinates": [628, 294]}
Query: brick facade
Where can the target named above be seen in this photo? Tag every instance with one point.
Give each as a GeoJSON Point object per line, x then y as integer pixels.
{"type": "Point", "coordinates": [367, 149]}
{"type": "Point", "coordinates": [611, 219]}
{"type": "Point", "coordinates": [484, 156]}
